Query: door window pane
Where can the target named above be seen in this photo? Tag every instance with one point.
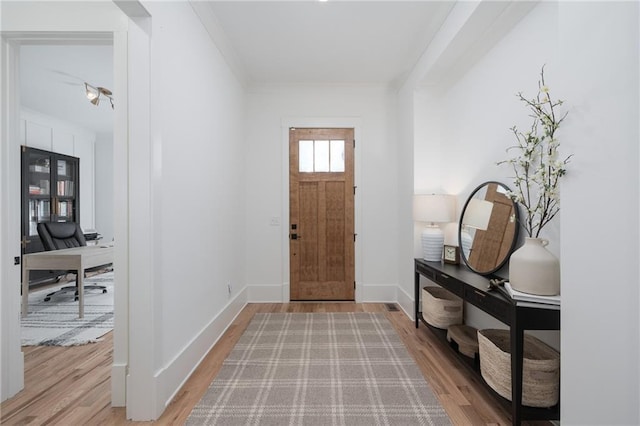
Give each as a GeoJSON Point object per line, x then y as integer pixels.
{"type": "Point", "coordinates": [337, 156]}
{"type": "Point", "coordinates": [321, 163]}
{"type": "Point", "coordinates": [305, 156]}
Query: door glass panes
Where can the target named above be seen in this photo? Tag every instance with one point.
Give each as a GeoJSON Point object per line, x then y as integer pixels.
{"type": "Point", "coordinates": [39, 211]}
{"type": "Point", "coordinates": [65, 183]}
{"type": "Point", "coordinates": [305, 156]}
{"type": "Point", "coordinates": [337, 156]}
{"type": "Point", "coordinates": [321, 156]}
{"type": "Point", "coordinates": [321, 160]}
{"type": "Point", "coordinates": [38, 174]}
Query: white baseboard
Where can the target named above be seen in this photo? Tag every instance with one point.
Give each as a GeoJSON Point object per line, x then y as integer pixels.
{"type": "Point", "coordinates": [406, 302]}
{"type": "Point", "coordinates": [387, 293]}
{"type": "Point", "coordinates": [280, 293]}
{"type": "Point", "coordinates": [118, 382]}
{"type": "Point", "coordinates": [267, 294]}
{"type": "Point", "coordinates": [173, 376]}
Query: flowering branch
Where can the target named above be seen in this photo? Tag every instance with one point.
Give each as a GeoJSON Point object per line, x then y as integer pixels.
{"type": "Point", "coordinates": [536, 165]}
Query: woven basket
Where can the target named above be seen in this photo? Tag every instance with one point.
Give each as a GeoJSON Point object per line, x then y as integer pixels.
{"type": "Point", "coordinates": [540, 372]}
{"type": "Point", "coordinates": [466, 337]}
{"type": "Point", "coordinates": [441, 308]}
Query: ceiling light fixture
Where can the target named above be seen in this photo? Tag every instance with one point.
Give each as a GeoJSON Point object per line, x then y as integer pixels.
{"type": "Point", "coordinates": [94, 93]}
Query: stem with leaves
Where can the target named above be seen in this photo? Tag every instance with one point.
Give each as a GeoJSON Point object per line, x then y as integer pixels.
{"type": "Point", "coordinates": [537, 169]}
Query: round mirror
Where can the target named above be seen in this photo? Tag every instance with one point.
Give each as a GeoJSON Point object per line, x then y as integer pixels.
{"type": "Point", "coordinates": [488, 228]}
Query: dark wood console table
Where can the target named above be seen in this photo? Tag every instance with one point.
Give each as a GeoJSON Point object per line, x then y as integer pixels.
{"type": "Point", "coordinates": [473, 288]}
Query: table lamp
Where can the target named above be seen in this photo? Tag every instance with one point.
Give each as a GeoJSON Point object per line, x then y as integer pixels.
{"type": "Point", "coordinates": [433, 209]}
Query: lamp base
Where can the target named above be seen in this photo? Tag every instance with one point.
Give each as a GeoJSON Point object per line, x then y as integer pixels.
{"type": "Point", "coordinates": [432, 243]}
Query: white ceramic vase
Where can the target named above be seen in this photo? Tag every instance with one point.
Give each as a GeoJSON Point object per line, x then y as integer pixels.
{"type": "Point", "coordinates": [535, 270]}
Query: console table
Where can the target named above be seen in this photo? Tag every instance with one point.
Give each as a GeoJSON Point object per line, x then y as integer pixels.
{"type": "Point", "coordinates": [473, 288]}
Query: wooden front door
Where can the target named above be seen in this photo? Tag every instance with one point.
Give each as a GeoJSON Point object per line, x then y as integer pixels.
{"type": "Point", "coordinates": [321, 214]}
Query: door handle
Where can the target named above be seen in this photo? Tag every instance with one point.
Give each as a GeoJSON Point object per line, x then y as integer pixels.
{"type": "Point", "coordinates": [24, 242]}
{"type": "Point", "coordinates": [295, 237]}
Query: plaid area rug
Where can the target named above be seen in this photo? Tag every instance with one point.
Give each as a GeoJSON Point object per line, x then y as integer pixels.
{"type": "Point", "coordinates": [56, 322]}
{"type": "Point", "coordinates": [319, 369]}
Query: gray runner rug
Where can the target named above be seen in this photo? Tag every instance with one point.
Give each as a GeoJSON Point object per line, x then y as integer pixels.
{"type": "Point", "coordinates": [319, 369]}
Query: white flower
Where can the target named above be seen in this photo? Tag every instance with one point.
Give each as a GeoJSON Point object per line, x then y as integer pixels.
{"type": "Point", "coordinates": [537, 166]}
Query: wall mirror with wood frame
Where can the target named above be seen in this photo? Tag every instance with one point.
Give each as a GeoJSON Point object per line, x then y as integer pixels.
{"type": "Point", "coordinates": [488, 228]}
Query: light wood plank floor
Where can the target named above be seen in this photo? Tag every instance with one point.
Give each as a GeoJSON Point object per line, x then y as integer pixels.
{"type": "Point", "coordinates": [72, 386]}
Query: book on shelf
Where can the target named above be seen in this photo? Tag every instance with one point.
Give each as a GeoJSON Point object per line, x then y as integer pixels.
{"type": "Point", "coordinates": [65, 187]}
{"type": "Point", "coordinates": [38, 168]}
{"type": "Point", "coordinates": [519, 296]}
{"type": "Point", "coordinates": [62, 168]}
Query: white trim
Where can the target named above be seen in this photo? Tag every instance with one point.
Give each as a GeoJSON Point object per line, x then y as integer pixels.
{"type": "Point", "coordinates": [11, 356]}
{"type": "Point", "coordinates": [120, 365]}
{"type": "Point", "coordinates": [364, 293]}
{"type": "Point", "coordinates": [143, 399]}
{"type": "Point", "coordinates": [320, 122]}
{"type": "Point", "coordinates": [118, 381]}
{"type": "Point", "coordinates": [377, 293]}
{"type": "Point", "coordinates": [267, 293]}
{"type": "Point", "coordinates": [286, 291]}
{"type": "Point", "coordinates": [406, 302]}
{"type": "Point", "coordinates": [178, 370]}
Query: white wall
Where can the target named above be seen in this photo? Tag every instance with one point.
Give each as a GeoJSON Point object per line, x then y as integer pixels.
{"type": "Point", "coordinates": [197, 193]}
{"type": "Point", "coordinates": [591, 52]}
{"type": "Point", "coordinates": [104, 185]}
{"type": "Point", "coordinates": [598, 59]}
{"type": "Point", "coordinates": [370, 111]}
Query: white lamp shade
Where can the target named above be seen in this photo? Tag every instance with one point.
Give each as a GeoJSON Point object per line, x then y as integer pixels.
{"type": "Point", "coordinates": [434, 208]}
{"type": "Point", "coordinates": [477, 214]}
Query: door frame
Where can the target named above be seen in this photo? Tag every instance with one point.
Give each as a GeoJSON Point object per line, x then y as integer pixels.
{"type": "Point", "coordinates": [319, 122]}
{"type": "Point", "coordinates": [134, 337]}
{"type": "Point", "coordinates": [11, 151]}
{"type": "Point", "coordinates": [12, 357]}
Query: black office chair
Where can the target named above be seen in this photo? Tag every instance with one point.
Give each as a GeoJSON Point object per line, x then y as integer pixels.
{"type": "Point", "coordinates": [62, 235]}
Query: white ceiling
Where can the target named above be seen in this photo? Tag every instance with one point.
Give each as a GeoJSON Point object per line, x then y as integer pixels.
{"type": "Point", "coordinates": [333, 42]}
{"type": "Point", "coordinates": [266, 42]}
{"type": "Point", "coordinates": [52, 81]}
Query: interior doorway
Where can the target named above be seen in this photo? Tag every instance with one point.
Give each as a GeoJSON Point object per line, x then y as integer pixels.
{"type": "Point", "coordinates": [39, 116]}
{"type": "Point", "coordinates": [56, 116]}
{"type": "Point", "coordinates": [321, 214]}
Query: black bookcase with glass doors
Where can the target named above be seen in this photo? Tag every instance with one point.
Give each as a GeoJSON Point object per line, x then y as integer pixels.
{"type": "Point", "coordinates": [50, 192]}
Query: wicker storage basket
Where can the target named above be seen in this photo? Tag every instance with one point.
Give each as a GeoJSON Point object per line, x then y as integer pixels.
{"type": "Point", "coordinates": [441, 308]}
{"type": "Point", "coordinates": [540, 372]}
{"type": "Point", "coordinates": [466, 337]}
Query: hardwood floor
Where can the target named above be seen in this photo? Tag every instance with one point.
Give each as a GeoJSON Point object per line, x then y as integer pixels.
{"type": "Point", "coordinates": [72, 386]}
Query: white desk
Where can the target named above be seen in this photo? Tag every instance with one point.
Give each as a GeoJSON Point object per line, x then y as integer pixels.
{"type": "Point", "coordinates": [72, 259]}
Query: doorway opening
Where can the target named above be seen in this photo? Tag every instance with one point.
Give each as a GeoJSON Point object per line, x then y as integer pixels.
{"type": "Point", "coordinates": [46, 89]}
